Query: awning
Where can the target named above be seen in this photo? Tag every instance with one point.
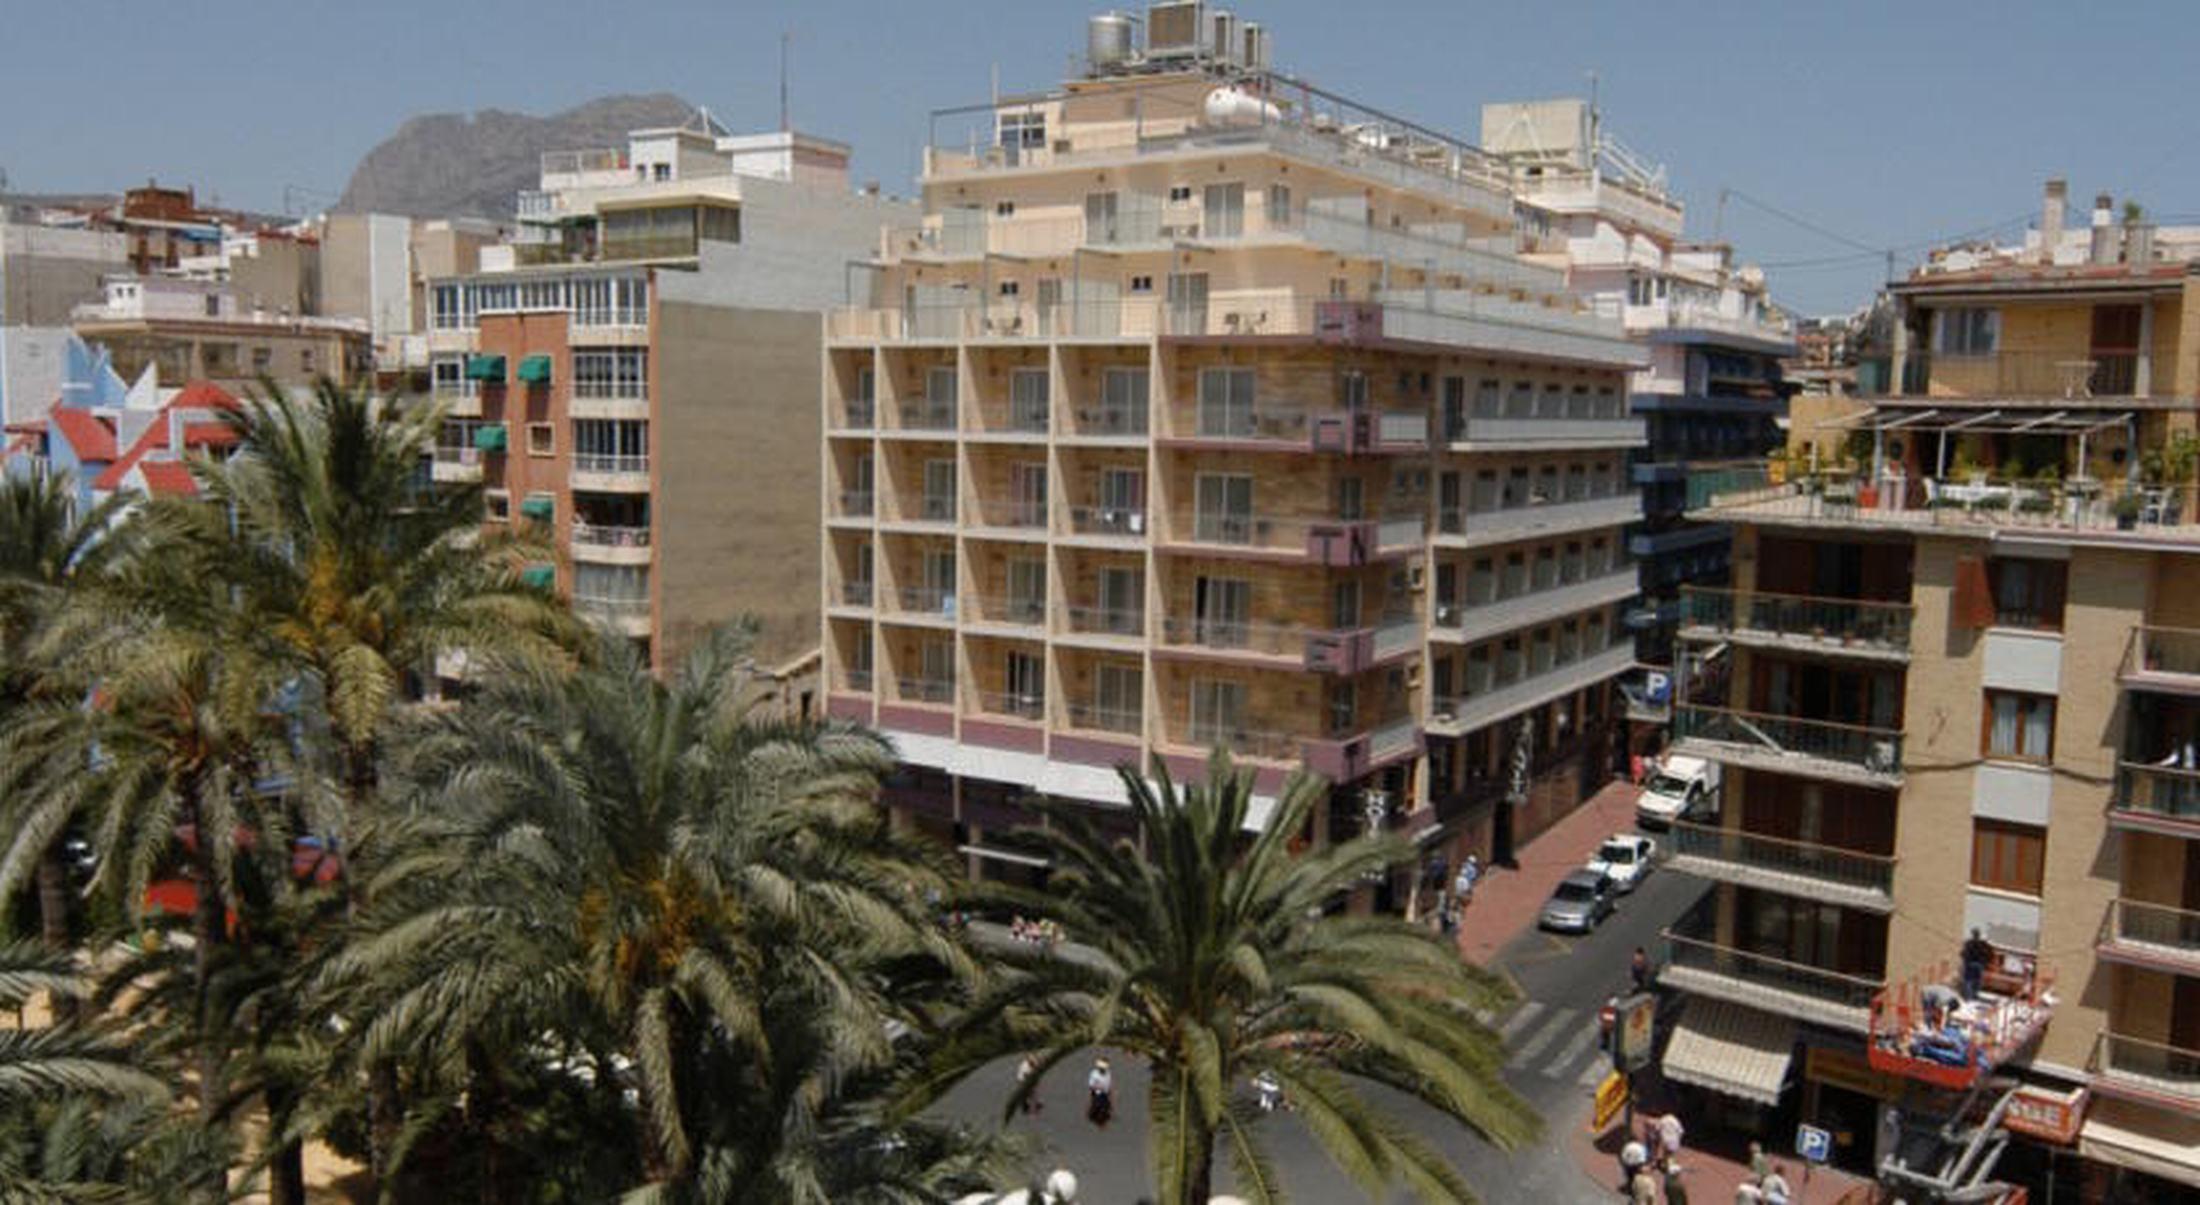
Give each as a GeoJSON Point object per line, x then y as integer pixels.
{"type": "Point", "coordinates": [485, 368]}
{"type": "Point", "coordinates": [997, 765]}
{"type": "Point", "coordinates": [2173, 1155]}
{"type": "Point", "coordinates": [1089, 784]}
{"type": "Point", "coordinates": [1733, 1050]}
{"type": "Point", "coordinates": [535, 370]}
{"type": "Point", "coordinates": [538, 506]}
{"type": "Point", "coordinates": [994, 853]}
{"type": "Point", "coordinates": [540, 576]}
{"type": "Point", "coordinates": [491, 437]}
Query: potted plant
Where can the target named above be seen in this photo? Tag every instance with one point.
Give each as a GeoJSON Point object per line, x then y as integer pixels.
{"type": "Point", "coordinates": [2126, 509]}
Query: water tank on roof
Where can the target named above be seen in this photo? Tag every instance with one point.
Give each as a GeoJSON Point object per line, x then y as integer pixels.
{"type": "Point", "coordinates": [1235, 106]}
{"type": "Point", "coordinates": [1108, 41]}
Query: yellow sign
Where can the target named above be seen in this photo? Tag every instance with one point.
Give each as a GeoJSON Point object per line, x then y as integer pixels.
{"type": "Point", "coordinates": [1610, 1099]}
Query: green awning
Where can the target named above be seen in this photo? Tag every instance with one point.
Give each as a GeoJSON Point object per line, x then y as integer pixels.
{"type": "Point", "coordinates": [538, 506]}
{"type": "Point", "coordinates": [491, 437]}
{"type": "Point", "coordinates": [535, 370]}
{"type": "Point", "coordinates": [485, 368]}
{"type": "Point", "coordinates": [542, 576]}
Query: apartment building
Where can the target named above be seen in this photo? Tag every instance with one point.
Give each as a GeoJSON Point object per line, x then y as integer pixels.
{"type": "Point", "coordinates": [636, 370]}
{"type": "Point", "coordinates": [208, 330]}
{"type": "Point", "coordinates": [1207, 409]}
{"type": "Point", "coordinates": [1712, 389]}
{"type": "Point", "coordinates": [1962, 671]}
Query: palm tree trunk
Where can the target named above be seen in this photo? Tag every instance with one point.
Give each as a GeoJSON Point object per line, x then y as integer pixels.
{"type": "Point", "coordinates": [1199, 1184]}
{"type": "Point", "coordinates": [206, 933]}
{"type": "Point", "coordinates": [53, 917]}
{"type": "Point", "coordinates": [286, 1171]}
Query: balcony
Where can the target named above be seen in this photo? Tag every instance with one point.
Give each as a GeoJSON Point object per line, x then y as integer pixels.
{"type": "Point", "coordinates": [610, 474]}
{"type": "Point", "coordinates": [925, 603]}
{"type": "Point", "coordinates": [1501, 695]}
{"type": "Point", "coordinates": [1023, 518]}
{"type": "Point", "coordinates": [926, 414]}
{"type": "Point", "coordinates": [2151, 935]}
{"type": "Point", "coordinates": [628, 616]}
{"type": "Point", "coordinates": [454, 464]}
{"type": "Point", "coordinates": [2156, 799]}
{"type": "Point", "coordinates": [1259, 424]}
{"type": "Point", "coordinates": [2166, 660]}
{"type": "Point", "coordinates": [1120, 624]}
{"type": "Point", "coordinates": [933, 692]}
{"type": "Point", "coordinates": [1235, 640]}
{"type": "Point", "coordinates": [1533, 434]}
{"type": "Point", "coordinates": [1362, 431]}
{"type": "Point", "coordinates": [1875, 631]}
{"type": "Point", "coordinates": [1248, 743]}
{"type": "Point", "coordinates": [855, 504]}
{"type": "Point", "coordinates": [1774, 985]}
{"type": "Point", "coordinates": [856, 414]}
{"type": "Point", "coordinates": [1471, 527]}
{"type": "Point", "coordinates": [1111, 522]}
{"type": "Point", "coordinates": [2159, 514]}
{"type": "Point", "coordinates": [2041, 376]}
{"type": "Point", "coordinates": [1005, 611]}
{"type": "Point", "coordinates": [2148, 1072]}
{"type": "Point", "coordinates": [1106, 422]}
{"type": "Point", "coordinates": [1849, 753]}
{"type": "Point", "coordinates": [1011, 705]}
{"type": "Point", "coordinates": [603, 544]}
{"type": "Point", "coordinates": [934, 510]}
{"type": "Point", "coordinates": [1483, 612]}
{"type": "Point", "coordinates": [1799, 868]}
{"type": "Point", "coordinates": [1344, 759]}
{"type": "Point", "coordinates": [857, 594]}
{"type": "Point", "coordinates": [1095, 717]}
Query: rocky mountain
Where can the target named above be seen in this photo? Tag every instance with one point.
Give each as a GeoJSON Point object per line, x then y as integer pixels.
{"type": "Point", "coordinates": [453, 165]}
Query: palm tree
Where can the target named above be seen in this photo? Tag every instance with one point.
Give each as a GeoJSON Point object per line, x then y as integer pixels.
{"type": "Point", "coordinates": [654, 887]}
{"type": "Point", "coordinates": [49, 547]}
{"type": "Point", "coordinates": [1215, 959]}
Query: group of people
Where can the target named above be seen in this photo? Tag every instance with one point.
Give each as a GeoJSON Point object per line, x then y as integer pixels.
{"type": "Point", "coordinates": [1035, 932]}
{"type": "Point", "coordinates": [1461, 894]}
{"type": "Point", "coordinates": [1764, 1185]}
{"type": "Point", "coordinates": [1099, 1090]}
{"type": "Point", "coordinates": [1652, 1168]}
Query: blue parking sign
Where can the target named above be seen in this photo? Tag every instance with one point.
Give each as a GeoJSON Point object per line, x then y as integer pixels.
{"type": "Point", "coordinates": [1813, 1144]}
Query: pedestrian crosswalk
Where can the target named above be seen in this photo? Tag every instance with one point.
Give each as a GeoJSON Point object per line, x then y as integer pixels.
{"type": "Point", "coordinates": [1556, 1044]}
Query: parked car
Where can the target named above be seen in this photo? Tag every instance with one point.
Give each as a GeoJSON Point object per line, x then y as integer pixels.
{"type": "Point", "coordinates": [1579, 902]}
{"type": "Point", "coordinates": [1627, 857]}
{"type": "Point", "coordinates": [1682, 788]}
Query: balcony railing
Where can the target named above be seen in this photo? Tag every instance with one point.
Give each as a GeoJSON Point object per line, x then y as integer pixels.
{"type": "Point", "coordinates": [591, 462]}
{"type": "Point", "coordinates": [928, 600]}
{"type": "Point", "coordinates": [1008, 512]}
{"type": "Point", "coordinates": [1234, 636]}
{"type": "Point", "coordinates": [1979, 504]}
{"type": "Point", "coordinates": [2150, 792]}
{"type": "Point", "coordinates": [2055, 375]}
{"type": "Point", "coordinates": [447, 454]}
{"type": "Point", "coordinates": [1598, 506]}
{"type": "Point", "coordinates": [857, 593]}
{"type": "Point", "coordinates": [1882, 627]}
{"type": "Point", "coordinates": [929, 507]}
{"type": "Point", "coordinates": [1758, 980]}
{"type": "Point", "coordinates": [2169, 656]}
{"type": "Point", "coordinates": [1788, 744]}
{"type": "Point", "coordinates": [927, 414]}
{"type": "Point", "coordinates": [1776, 863]}
{"type": "Point", "coordinates": [925, 690]}
{"type": "Point", "coordinates": [615, 608]}
{"type": "Point", "coordinates": [1104, 421]}
{"type": "Point", "coordinates": [1266, 421]}
{"type": "Point", "coordinates": [1008, 608]}
{"type": "Point", "coordinates": [1108, 621]}
{"type": "Point", "coordinates": [1242, 742]}
{"type": "Point", "coordinates": [855, 504]}
{"type": "Point", "coordinates": [2154, 1071]}
{"type": "Point", "coordinates": [604, 535]}
{"type": "Point", "coordinates": [1107, 521]}
{"type": "Point", "coordinates": [1010, 703]}
{"type": "Point", "coordinates": [858, 414]}
{"type": "Point", "coordinates": [2151, 933]}
{"type": "Point", "coordinates": [1096, 717]}
{"type": "Point", "coordinates": [858, 680]}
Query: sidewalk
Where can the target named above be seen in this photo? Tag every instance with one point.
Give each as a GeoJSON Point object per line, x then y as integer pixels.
{"type": "Point", "coordinates": [1712, 1166]}
{"type": "Point", "coordinates": [1508, 898]}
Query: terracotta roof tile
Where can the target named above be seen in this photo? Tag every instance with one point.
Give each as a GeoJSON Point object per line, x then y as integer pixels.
{"type": "Point", "coordinates": [88, 434]}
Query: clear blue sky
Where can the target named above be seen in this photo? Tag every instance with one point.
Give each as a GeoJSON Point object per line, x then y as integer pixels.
{"type": "Point", "coordinates": [1882, 121]}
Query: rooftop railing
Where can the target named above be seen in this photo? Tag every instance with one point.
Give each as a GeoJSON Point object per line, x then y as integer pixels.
{"type": "Point", "coordinates": [1763, 493]}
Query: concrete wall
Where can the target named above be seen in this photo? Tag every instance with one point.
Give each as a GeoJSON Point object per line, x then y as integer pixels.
{"type": "Point", "coordinates": [49, 271]}
{"type": "Point", "coordinates": [795, 248]}
{"type": "Point", "coordinates": [735, 449]}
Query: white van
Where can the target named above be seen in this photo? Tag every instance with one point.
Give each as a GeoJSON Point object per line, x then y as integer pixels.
{"type": "Point", "coordinates": [1680, 788]}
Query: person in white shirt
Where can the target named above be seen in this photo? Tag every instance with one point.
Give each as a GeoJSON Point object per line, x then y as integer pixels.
{"type": "Point", "coordinates": [1100, 1093]}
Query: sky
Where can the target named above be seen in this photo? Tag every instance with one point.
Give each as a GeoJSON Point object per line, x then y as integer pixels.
{"type": "Point", "coordinates": [1835, 130]}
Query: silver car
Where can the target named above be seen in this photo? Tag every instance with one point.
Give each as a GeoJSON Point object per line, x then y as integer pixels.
{"type": "Point", "coordinates": [1581, 900]}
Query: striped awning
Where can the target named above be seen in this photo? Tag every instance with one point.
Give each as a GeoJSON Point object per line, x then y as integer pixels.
{"type": "Point", "coordinates": [1733, 1050]}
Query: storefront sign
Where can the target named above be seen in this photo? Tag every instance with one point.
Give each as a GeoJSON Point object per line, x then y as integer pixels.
{"type": "Point", "coordinates": [1634, 1032]}
{"type": "Point", "coordinates": [1610, 1099]}
{"type": "Point", "coordinates": [1844, 1070]}
{"type": "Point", "coordinates": [2049, 1116]}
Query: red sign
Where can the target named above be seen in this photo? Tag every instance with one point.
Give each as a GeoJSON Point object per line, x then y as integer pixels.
{"type": "Point", "coordinates": [2049, 1116]}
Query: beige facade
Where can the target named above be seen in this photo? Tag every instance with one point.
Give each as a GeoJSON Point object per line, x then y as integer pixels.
{"type": "Point", "coordinates": [1166, 430]}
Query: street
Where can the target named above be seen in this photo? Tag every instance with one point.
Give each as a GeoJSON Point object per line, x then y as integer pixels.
{"type": "Point", "coordinates": [1555, 1063]}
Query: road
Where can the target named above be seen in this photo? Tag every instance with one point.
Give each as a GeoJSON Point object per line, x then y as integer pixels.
{"type": "Point", "coordinates": [1555, 1064]}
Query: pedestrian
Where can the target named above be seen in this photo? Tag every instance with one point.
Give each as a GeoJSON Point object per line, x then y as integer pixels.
{"type": "Point", "coordinates": [1676, 1193]}
{"type": "Point", "coordinates": [1632, 1157]}
{"type": "Point", "coordinates": [1977, 953]}
{"type": "Point", "coordinates": [1758, 1163]}
{"type": "Point", "coordinates": [1748, 1194]}
{"type": "Point", "coordinates": [1447, 917]}
{"type": "Point", "coordinates": [1669, 1135]}
{"type": "Point", "coordinates": [1026, 1069]}
{"type": "Point", "coordinates": [1270, 1090]}
{"type": "Point", "coordinates": [1100, 1094]}
{"type": "Point", "coordinates": [1638, 967]}
{"type": "Point", "coordinates": [1643, 1188]}
{"type": "Point", "coordinates": [1470, 873]}
{"type": "Point", "coordinates": [1775, 1187]}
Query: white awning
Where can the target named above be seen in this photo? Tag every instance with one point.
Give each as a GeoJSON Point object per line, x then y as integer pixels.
{"type": "Point", "coordinates": [1730, 1049]}
{"type": "Point", "coordinates": [2172, 1155]}
{"type": "Point", "coordinates": [1089, 784]}
{"type": "Point", "coordinates": [918, 749]}
{"type": "Point", "coordinates": [998, 765]}
{"type": "Point", "coordinates": [995, 853]}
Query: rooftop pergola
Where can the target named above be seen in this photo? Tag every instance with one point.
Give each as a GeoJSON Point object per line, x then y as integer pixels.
{"type": "Point", "coordinates": [2074, 422]}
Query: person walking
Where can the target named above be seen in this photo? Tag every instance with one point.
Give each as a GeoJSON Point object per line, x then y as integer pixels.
{"type": "Point", "coordinates": [1638, 968]}
{"type": "Point", "coordinates": [1775, 1187]}
{"type": "Point", "coordinates": [1470, 873]}
{"type": "Point", "coordinates": [1669, 1132]}
{"type": "Point", "coordinates": [1643, 1188]}
{"type": "Point", "coordinates": [1978, 953]}
{"type": "Point", "coordinates": [1676, 1192]}
{"type": "Point", "coordinates": [1758, 1163]}
{"type": "Point", "coordinates": [1100, 1094]}
{"type": "Point", "coordinates": [1270, 1090]}
{"type": "Point", "coordinates": [1026, 1068]}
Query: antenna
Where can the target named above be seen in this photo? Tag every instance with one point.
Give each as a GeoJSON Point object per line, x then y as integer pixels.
{"type": "Point", "coordinates": [784, 38]}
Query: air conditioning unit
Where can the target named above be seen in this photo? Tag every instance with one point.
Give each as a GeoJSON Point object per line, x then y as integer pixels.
{"type": "Point", "coordinates": [1222, 37]}
{"type": "Point", "coordinates": [1176, 30]}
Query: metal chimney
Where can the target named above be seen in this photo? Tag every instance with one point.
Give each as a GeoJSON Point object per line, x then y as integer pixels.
{"type": "Point", "coordinates": [2052, 210]}
{"type": "Point", "coordinates": [2106, 242]}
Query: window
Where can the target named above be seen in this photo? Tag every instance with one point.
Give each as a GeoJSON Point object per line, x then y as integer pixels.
{"type": "Point", "coordinates": [1027, 130]}
{"type": "Point", "coordinates": [1027, 684]}
{"type": "Point", "coordinates": [1351, 499]}
{"type": "Point", "coordinates": [2028, 593]}
{"type": "Point", "coordinates": [611, 302]}
{"type": "Point", "coordinates": [499, 505]}
{"type": "Point", "coordinates": [1118, 695]}
{"type": "Point", "coordinates": [1225, 211]}
{"type": "Point", "coordinates": [1180, 192]}
{"type": "Point", "coordinates": [620, 372]}
{"type": "Point", "coordinates": [662, 171]}
{"type": "Point", "coordinates": [1218, 711]}
{"type": "Point", "coordinates": [610, 446]}
{"type": "Point", "coordinates": [1966, 331]}
{"type": "Point", "coordinates": [305, 359]}
{"type": "Point", "coordinates": [263, 358]}
{"type": "Point", "coordinates": [1100, 212]}
{"type": "Point", "coordinates": [1010, 288]}
{"type": "Point", "coordinates": [1222, 508]}
{"type": "Point", "coordinates": [542, 439]}
{"type": "Point", "coordinates": [1221, 608]}
{"type": "Point", "coordinates": [1027, 399]}
{"type": "Point", "coordinates": [1279, 206]}
{"type": "Point", "coordinates": [213, 305]}
{"type": "Point", "coordinates": [1004, 209]}
{"type": "Point", "coordinates": [1226, 402]}
{"type": "Point", "coordinates": [939, 491]}
{"type": "Point", "coordinates": [940, 385]}
{"type": "Point", "coordinates": [2007, 857]}
{"type": "Point", "coordinates": [1141, 284]}
{"type": "Point", "coordinates": [1027, 589]}
{"type": "Point", "coordinates": [2019, 726]}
